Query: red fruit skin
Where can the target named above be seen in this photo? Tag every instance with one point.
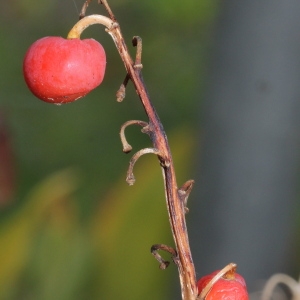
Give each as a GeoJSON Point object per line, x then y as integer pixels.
{"type": "Point", "coordinates": [224, 289]}
{"type": "Point", "coordinates": [59, 70]}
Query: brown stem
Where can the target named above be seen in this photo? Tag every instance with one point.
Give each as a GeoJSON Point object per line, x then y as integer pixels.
{"type": "Point", "coordinates": [158, 136]}
{"type": "Point", "coordinates": [175, 206]}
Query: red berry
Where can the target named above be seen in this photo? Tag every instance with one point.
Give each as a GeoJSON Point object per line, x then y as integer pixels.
{"type": "Point", "coordinates": [231, 286]}
{"type": "Point", "coordinates": [59, 70]}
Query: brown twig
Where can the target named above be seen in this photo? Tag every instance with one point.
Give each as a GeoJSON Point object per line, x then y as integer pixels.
{"type": "Point", "coordinates": [184, 192]}
{"type": "Point", "coordinates": [121, 92]}
{"type": "Point", "coordinates": [110, 13]}
{"type": "Point", "coordinates": [163, 264]}
{"type": "Point", "coordinates": [84, 8]}
{"type": "Point", "coordinates": [137, 42]}
{"type": "Point", "coordinates": [174, 197]}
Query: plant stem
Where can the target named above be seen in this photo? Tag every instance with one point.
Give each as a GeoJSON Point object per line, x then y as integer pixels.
{"type": "Point", "coordinates": [175, 205]}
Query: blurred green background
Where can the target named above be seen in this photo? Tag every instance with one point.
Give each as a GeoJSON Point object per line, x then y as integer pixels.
{"type": "Point", "coordinates": [71, 228]}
